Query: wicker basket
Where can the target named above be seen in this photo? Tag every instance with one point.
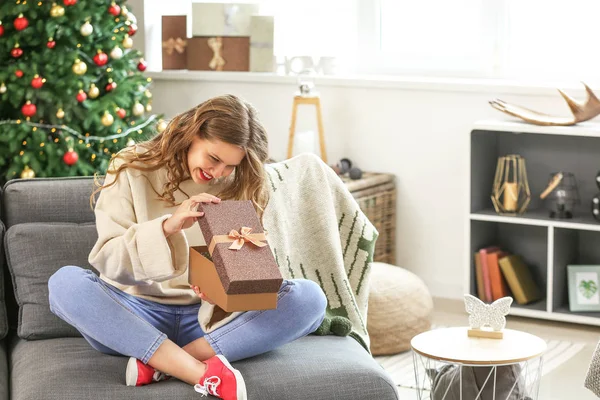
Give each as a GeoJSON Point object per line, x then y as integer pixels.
{"type": "Point", "coordinates": [376, 196]}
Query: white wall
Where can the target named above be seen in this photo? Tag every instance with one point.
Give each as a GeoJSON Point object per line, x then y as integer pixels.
{"type": "Point", "coordinates": [421, 135]}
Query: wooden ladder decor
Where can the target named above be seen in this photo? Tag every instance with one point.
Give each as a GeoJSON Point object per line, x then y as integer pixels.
{"type": "Point", "coordinates": [312, 100]}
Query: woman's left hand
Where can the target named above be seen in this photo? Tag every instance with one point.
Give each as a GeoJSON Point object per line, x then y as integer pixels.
{"type": "Point", "coordinates": [202, 296]}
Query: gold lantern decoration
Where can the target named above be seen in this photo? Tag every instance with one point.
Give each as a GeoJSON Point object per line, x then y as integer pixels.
{"type": "Point", "coordinates": [510, 193]}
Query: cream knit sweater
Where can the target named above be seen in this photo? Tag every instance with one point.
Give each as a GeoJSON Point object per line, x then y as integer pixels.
{"type": "Point", "coordinates": [132, 252]}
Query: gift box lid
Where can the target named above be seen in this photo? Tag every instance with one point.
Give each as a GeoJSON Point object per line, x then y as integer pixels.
{"type": "Point", "coordinates": [249, 269]}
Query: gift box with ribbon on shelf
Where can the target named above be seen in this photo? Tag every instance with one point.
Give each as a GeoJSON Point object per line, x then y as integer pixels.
{"type": "Point", "coordinates": [219, 53]}
{"type": "Point", "coordinates": [174, 42]}
{"type": "Point", "coordinates": [237, 269]}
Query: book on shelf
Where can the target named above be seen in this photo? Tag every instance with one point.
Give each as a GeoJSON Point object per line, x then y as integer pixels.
{"type": "Point", "coordinates": [479, 277]}
{"type": "Point", "coordinates": [520, 279]}
{"type": "Point", "coordinates": [485, 272]}
{"type": "Point", "coordinates": [497, 279]}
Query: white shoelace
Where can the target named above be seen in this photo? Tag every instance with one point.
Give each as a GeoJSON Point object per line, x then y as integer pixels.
{"type": "Point", "coordinates": [209, 387]}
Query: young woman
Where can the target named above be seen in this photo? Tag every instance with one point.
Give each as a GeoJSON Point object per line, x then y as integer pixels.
{"type": "Point", "coordinates": [141, 305]}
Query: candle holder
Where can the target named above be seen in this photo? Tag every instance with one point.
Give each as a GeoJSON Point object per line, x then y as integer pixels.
{"type": "Point", "coordinates": [510, 193]}
{"type": "Point", "coordinates": [561, 195]}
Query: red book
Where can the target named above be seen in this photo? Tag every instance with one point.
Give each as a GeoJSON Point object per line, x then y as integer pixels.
{"type": "Point", "coordinates": [497, 280]}
{"type": "Point", "coordinates": [487, 286]}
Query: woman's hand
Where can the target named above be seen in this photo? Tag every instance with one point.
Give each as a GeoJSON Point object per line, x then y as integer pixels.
{"type": "Point", "coordinates": [201, 295]}
{"type": "Point", "coordinates": [186, 214]}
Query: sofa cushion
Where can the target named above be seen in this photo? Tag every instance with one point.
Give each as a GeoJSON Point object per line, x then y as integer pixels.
{"type": "Point", "coordinates": [35, 251]}
{"type": "Point", "coordinates": [314, 367]}
{"type": "Point", "coordinates": [3, 317]}
{"type": "Point", "coordinates": [48, 200]}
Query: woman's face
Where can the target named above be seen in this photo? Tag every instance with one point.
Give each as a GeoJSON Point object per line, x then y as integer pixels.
{"type": "Point", "coordinates": [208, 159]}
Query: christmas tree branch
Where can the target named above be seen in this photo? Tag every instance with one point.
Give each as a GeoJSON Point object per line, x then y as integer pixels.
{"type": "Point", "coordinates": [79, 135]}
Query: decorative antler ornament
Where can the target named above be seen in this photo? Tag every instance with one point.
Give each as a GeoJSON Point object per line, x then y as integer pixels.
{"type": "Point", "coordinates": [581, 111]}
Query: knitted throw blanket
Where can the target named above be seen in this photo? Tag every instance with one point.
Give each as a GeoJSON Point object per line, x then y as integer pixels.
{"type": "Point", "coordinates": [592, 380]}
{"type": "Point", "coordinates": [318, 232]}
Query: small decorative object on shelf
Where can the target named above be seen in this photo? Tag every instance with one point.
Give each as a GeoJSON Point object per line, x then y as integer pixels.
{"type": "Point", "coordinates": [561, 195]}
{"type": "Point", "coordinates": [510, 193]}
{"type": "Point", "coordinates": [596, 200]}
{"type": "Point", "coordinates": [344, 166]}
{"type": "Point", "coordinates": [584, 287]}
{"type": "Point", "coordinates": [307, 95]}
{"type": "Point", "coordinates": [581, 111]}
{"type": "Point", "coordinates": [487, 320]}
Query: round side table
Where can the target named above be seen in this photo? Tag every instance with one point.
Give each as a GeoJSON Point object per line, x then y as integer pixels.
{"type": "Point", "coordinates": [450, 365]}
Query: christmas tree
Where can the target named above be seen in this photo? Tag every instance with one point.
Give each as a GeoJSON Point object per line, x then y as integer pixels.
{"type": "Point", "coordinates": [72, 91]}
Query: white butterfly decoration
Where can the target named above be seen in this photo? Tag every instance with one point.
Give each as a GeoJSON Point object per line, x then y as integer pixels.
{"type": "Point", "coordinates": [492, 315]}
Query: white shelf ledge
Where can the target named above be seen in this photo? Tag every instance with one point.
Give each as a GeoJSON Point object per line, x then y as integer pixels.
{"type": "Point", "coordinates": [538, 218]}
{"type": "Point", "coordinates": [587, 129]}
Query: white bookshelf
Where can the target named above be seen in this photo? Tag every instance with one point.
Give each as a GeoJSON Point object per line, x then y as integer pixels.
{"type": "Point", "coordinates": [547, 245]}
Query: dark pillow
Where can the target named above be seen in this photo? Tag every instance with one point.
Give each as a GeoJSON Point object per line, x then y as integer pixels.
{"type": "Point", "coordinates": [34, 252]}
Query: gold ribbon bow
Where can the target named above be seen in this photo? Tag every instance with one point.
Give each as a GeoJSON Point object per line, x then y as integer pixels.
{"type": "Point", "coordinates": [238, 239]}
{"type": "Point", "coordinates": [217, 61]}
{"type": "Point", "coordinates": [174, 45]}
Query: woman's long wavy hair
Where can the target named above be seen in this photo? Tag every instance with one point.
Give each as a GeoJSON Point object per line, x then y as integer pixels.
{"type": "Point", "coordinates": [226, 118]}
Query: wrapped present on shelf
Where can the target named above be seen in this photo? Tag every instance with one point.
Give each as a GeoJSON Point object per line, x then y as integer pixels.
{"type": "Point", "coordinates": [237, 270]}
{"type": "Point", "coordinates": [174, 42]}
{"type": "Point", "coordinates": [262, 31]}
{"type": "Point", "coordinates": [218, 19]}
{"type": "Point", "coordinates": [218, 53]}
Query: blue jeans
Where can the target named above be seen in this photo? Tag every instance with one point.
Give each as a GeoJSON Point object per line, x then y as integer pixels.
{"type": "Point", "coordinates": [117, 323]}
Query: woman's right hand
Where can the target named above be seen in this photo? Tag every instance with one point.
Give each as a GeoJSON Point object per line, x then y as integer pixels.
{"type": "Point", "coordinates": [186, 214]}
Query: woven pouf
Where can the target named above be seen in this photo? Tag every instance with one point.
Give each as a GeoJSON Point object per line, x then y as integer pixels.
{"type": "Point", "coordinates": [400, 307]}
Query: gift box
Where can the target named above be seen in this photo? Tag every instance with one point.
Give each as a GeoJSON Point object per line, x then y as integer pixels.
{"type": "Point", "coordinates": [218, 19]}
{"type": "Point", "coordinates": [174, 42]}
{"type": "Point", "coordinates": [219, 53]}
{"type": "Point", "coordinates": [237, 270]}
{"type": "Point", "coordinates": [262, 32]}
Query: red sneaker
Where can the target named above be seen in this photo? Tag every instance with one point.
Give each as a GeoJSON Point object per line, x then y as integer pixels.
{"type": "Point", "coordinates": [139, 374]}
{"type": "Point", "coordinates": [222, 380]}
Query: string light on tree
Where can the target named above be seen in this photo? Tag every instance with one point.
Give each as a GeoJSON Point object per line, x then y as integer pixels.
{"type": "Point", "coordinates": [86, 29]}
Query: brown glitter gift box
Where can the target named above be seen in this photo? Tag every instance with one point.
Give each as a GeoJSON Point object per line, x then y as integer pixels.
{"type": "Point", "coordinates": [174, 42]}
{"type": "Point", "coordinates": [218, 53]}
{"type": "Point", "coordinates": [237, 278]}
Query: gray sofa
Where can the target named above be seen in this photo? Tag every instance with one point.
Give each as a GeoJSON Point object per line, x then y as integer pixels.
{"type": "Point", "coordinates": [49, 224]}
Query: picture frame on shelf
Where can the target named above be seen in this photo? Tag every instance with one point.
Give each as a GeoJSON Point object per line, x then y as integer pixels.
{"type": "Point", "coordinates": [584, 287]}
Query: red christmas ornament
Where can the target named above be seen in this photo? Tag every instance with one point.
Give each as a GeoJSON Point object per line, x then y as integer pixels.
{"type": "Point", "coordinates": [51, 43]}
{"type": "Point", "coordinates": [1, 29]}
{"type": "Point", "coordinates": [20, 22]}
{"type": "Point", "coordinates": [121, 113]}
{"type": "Point", "coordinates": [70, 157]}
{"type": "Point", "coordinates": [132, 29]}
{"type": "Point", "coordinates": [28, 109]}
{"type": "Point", "coordinates": [114, 9]}
{"type": "Point", "coordinates": [37, 82]}
{"type": "Point", "coordinates": [81, 96]}
{"type": "Point", "coordinates": [69, 2]}
{"type": "Point", "coordinates": [19, 73]}
{"type": "Point", "coordinates": [101, 58]}
{"type": "Point", "coordinates": [142, 65]}
{"type": "Point", "coordinates": [111, 86]}
{"type": "Point", "coordinates": [16, 52]}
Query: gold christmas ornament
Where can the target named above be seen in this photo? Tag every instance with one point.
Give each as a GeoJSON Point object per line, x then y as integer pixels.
{"type": "Point", "coordinates": [60, 113]}
{"type": "Point", "coordinates": [148, 94]}
{"type": "Point", "coordinates": [161, 126]}
{"type": "Point", "coordinates": [149, 108]}
{"type": "Point", "coordinates": [57, 11]}
{"type": "Point", "coordinates": [130, 142]}
{"type": "Point", "coordinates": [138, 109]}
{"type": "Point", "coordinates": [107, 119]}
{"type": "Point", "coordinates": [127, 42]}
{"type": "Point", "coordinates": [86, 29]}
{"type": "Point", "coordinates": [93, 92]}
{"type": "Point", "coordinates": [3, 88]}
{"type": "Point", "coordinates": [124, 10]}
{"type": "Point", "coordinates": [79, 67]}
{"type": "Point", "coordinates": [27, 173]}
